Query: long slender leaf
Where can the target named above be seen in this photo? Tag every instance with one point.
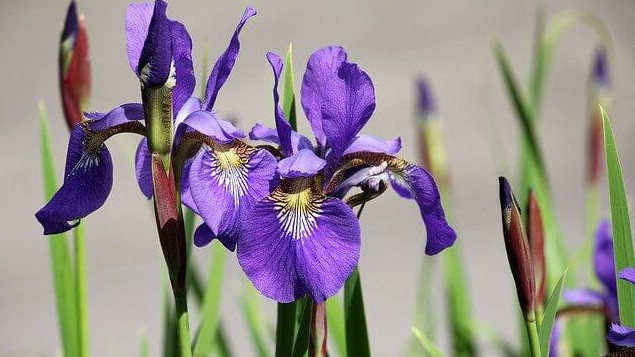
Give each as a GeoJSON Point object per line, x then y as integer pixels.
{"type": "Point", "coordinates": [81, 297]}
{"type": "Point", "coordinates": [250, 304]}
{"type": "Point", "coordinates": [170, 345]}
{"type": "Point", "coordinates": [285, 329]}
{"type": "Point", "coordinates": [288, 97]}
{"type": "Point", "coordinates": [335, 317]}
{"type": "Point", "coordinates": [549, 316]}
{"type": "Point", "coordinates": [428, 345]}
{"type": "Point", "coordinates": [211, 302]}
{"type": "Point", "coordinates": [621, 224]}
{"type": "Point", "coordinates": [357, 343]}
{"type": "Point", "coordinates": [63, 276]}
{"type": "Point", "coordinates": [301, 344]}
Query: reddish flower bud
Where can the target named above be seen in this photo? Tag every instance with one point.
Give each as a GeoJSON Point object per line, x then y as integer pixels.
{"type": "Point", "coordinates": [74, 67]}
{"type": "Point", "coordinates": [517, 248]}
{"type": "Point", "coordinates": [535, 234]}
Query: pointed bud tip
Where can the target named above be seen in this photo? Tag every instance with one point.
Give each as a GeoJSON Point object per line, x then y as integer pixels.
{"type": "Point", "coordinates": [600, 74]}
{"type": "Point", "coordinates": [426, 104]}
{"type": "Point", "coordinates": [505, 193]}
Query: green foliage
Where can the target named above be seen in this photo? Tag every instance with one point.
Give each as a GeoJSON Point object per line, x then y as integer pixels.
{"type": "Point", "coordinates": [426, 343]}
{"type": "Point", "coordinates": [356, 331]}
{"type": "Point", "coordinates": [549, 316]}
{"type": "Point", "coordinates": [335, 318]}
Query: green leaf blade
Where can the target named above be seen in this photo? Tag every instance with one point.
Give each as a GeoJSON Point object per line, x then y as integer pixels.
{"type": "Point", "coordinates": [357, 343]}
{"type": "Point", "coordinates": [337, 329]}
{"type": "Point", "coordinates": [549, 316]}
{"type": "Point", "coordinates": [426, 343]}
{"type": "Point", "coordinates": [621, 225]}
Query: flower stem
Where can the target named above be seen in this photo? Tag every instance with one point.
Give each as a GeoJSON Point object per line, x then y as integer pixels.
{"type": "Point", "coordinates": [183, 325]}
{"type": "Point", "coordinates": [532, 333]}
{"type": "Point", "coordinates": [80, 282]}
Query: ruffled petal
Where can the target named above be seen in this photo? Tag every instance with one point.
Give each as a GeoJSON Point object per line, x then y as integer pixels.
{"type": "Point", "coordinates": [296, 241]}
{"type": "Point", "coordinates": [143, 168]}
{"type": "Point", "coordinates": [225, 182]}
{"type": "Point", "coordinates": [628, 274]}
{"type": "Point", "coordinates": [621, 336]}
{"type": "Point", "coordinates": [155, 61]}
{"type": "Point", "coordinates": [225, 63]}
{"type": "Point", "coordinates": [282, 124]}
{"type": "Point", "coordinates": [184, 69]}
{"type": "Point", "coordinates": [338, 97]}
{"type": "Point", "coordinates": [119, 115]}
{"type": "Point", "coordinates": [373, 144]}
{"type": "Point", "coordinates": [262, 133]}
{"type": "Point", "coordinates": [87, 184]}
{"type": "Point", "coordinates": [302, 164]}
{"type": "Point", "coordinates": [603, 262]}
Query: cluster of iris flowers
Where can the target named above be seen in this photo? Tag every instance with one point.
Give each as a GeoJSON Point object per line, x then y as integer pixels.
{"type": "Point", "coordinates": [284, 202]}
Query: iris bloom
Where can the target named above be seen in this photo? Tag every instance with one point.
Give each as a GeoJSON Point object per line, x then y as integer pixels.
{"type": "Point", "coordinates": [604, 267]}
{"type": "Point", "coordinates": [623, 335]}
{"type": "Point", "coordinates": [304, 238]}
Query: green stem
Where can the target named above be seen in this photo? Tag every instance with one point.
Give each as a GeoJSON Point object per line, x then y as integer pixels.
{"type": "Point", "coordinates": [183, 325]}
{"type": "Point", "coordinates": [285, 329]}
{"type": "Point", "coordinates": [532, 334]}
{"type": "Point", "coordinates": [80, 282]}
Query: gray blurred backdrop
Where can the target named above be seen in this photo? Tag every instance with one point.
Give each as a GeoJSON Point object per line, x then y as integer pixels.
{"type": "Point", "coordinates": [448, 41]}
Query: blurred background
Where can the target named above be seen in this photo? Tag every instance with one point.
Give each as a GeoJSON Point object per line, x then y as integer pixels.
{"type": "Point", "coordinates": [394, 41]}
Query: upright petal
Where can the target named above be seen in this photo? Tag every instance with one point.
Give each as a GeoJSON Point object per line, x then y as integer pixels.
{"type": "Point", "coordinates": [373, 144]}
{"type": "Point", "coordinates": [338, 95]}
{"type": "Point", "coordinates": [603, 262]}
{"type": "Point", "coordinates": [138, 16]}
{"type": "Point", "coordinates": [225, 63]}
{"type": "Point", "coordinates": [297, 241]}
{"type": "Point", "coordinates": [184, 69]}
{"type": "Point", "coordinates": [261, 132]}
{"type": "Point", "coordinates": [282, 125]}
{"type": "Point", "coordinates": [621, 336]}
{"type": "Point", "coordinates": [303, 164]}
{"type": "Point", "coordinates": [226, 181]}
{"type": "Point", "coordinates": [155, 61]}
{"type": "Point", "coordinates": [87, 184]}
{"type": "Point", "coordinates": [143, 168]}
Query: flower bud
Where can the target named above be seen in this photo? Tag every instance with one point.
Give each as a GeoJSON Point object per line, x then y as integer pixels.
{"type": "Point", "coordinates": [517, 248]}
{"type": "Point", "coordinates": [431, 144]}
{"type": "Point", "coordinates": [599, 94]}
{"type": "Point", "coordinates": [74, 67]}
{"type": "Point", "coordinates": [535, 234]}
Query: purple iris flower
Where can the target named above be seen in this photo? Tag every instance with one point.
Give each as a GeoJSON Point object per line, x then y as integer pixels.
{"type": "Point", "coordinates": [304, 238]}
{"type": "Point", "coordinates": [623, 335]}
{"type": "Point", "coordinates": [603, 263]}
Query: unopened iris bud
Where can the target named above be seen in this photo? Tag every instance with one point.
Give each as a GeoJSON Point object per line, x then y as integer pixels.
{"type": "Point", "coordinates": [600, 75]}
{"type": "Point", "coordinates": [535, 234]}
{"type": "Point", "coordinates": [517, 248]}
{"type": "Point", "coordinates": [74, 67]}
{"type": "Point", "coordinates": [431, 144]}
{"type": "Point", "coordinates": [599, 94]}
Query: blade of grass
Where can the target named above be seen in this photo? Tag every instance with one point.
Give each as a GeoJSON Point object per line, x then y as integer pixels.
{"type": "Point", "coordinates": [335, 317]}
{"type": "Point", "coordinates": [549, 316]}
{"type": "Point", "coordinates": [211, 302]}
{"type": "Point", "coordinates": [250, 304]}
{"type": "Point", "coordinates": [428, 345]}
{"type": "Point", "coordinates": [63, 279]}
{"type": "Point", "coordinates": [621, 225]}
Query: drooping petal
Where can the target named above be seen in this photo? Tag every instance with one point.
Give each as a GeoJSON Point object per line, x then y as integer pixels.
{"type": "Point", "coordinates": [184, 69]}
{"type": "Point", "coordinates": [119, 115]}
{"type": "Point", "coordinates": [225, 63]}
{"type": "Point", "coordinates": [603, 262]}
{"type": "Point", "coordinates": [296, 241]}
{"type": "Point", "coordinates": [143, 168]}
{"type": "Point", "coordinates": [261, 132]}
{"type": "Point", "coordinates": [203, 235]}
{"type": "Point", "coordinates": [225, 181]}
{"type": "Point", "coordinates": [410, 181]}
{"type": "Point", "coordinates": [87, 184]}
{"type": "Point", "coordinates": [621, 336]}
{"type": "Point", "coordinates": [302, 164]}
{"type": "Point", "coordinates": [628, 274]}
{"type": "Point", "coordinates": [373, 144]}
{"type": "Point", "coordinates": [283, 126]}
{"type": "Point", "coordinates": [155, 60]}
{"type": "Point", "coordinates": [338, 95]}
{"type": "Point", "coordinates": [209, 124]}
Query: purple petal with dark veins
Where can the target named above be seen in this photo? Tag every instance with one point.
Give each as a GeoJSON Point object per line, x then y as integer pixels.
{"type": "Point", "coordinates": [226, 182]}
{"type": "Point", "coordinates": [282, 124]}
{"type": "Point", "coordinates": [373, 144]}
{"type": "Point", "coordinates": [138, 16]}
{"type": "Point", "coordinates": [155, 60]}
{"type": "Point", "coordinates": [119, 115]}
{"type": "Point", "coordinates": [209, 124]}
{"type": "Point", "coordinates": [225, 63]}
{"type": "Point", "coordinates": [621, 336]}
{"type": "Point", "coordinates": [184, 69]}
{"type": "Point", "coordinates": [262, 133]}
{"type": "Point", "coordinates": [302, 164]}
{"type": "Point", "coordinates": [87, 183]}
{"type": "Point", "coordinates": [290, 246]}
{"type": "Point", "coordinates": [339, 95]}
{"type": "Point", "coordinates": [421, 187]}
{"type": "Point", "coordinates": [143, 168]}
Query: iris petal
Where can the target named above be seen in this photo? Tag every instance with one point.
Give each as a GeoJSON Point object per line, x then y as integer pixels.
{"type": "Point", "coordinates": [143, 168]}
{"type": "Point", "coordinates": [282, 125]}
{"type": "Point", "coordinates": [225, 63]}
{"type": "Point", "coordinates": [209, 124]}
{"type": "Point", "coordinates": [183, 67]}
{"type": "Point", "coordinates": [87, 184]}
{"type": "Point", "coordinates": [373, 144]}
{"type": "Point", "coordinates": [261, 132]}
{"type": "Point", "coordinates": [302, 164]}
{"type": "Point", "coordinates": [155, 61]}
{"type": "Point", "coordinates": [583, 297]}
{"type": "Point", "coordinates": [225, 182]}
{"type": "Point", "coordinates": [628, 274]}
{"type": "Point", "coordinates": [119, 115]}
{"type": "Point", "coordinates": [603, 262]}
{"type": "Point", "coordinates": [297, 241]}
{"type": "Point", "coordinates": [138, 16]}
{"type": "Point", "coordinates": [621, 336]}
